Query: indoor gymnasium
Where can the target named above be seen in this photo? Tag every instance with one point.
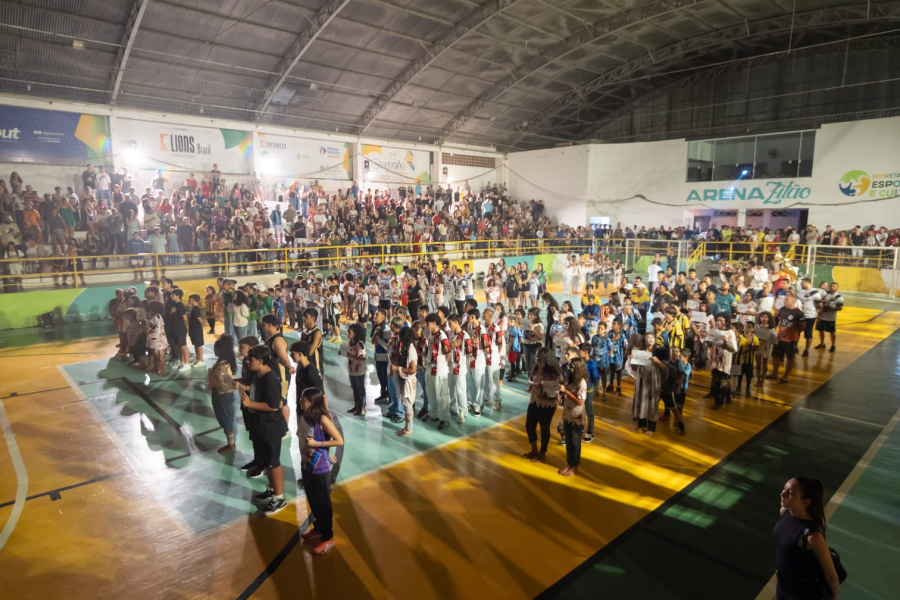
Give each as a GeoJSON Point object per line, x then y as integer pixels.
{"type": "Point", "coordinates": [414, 299]}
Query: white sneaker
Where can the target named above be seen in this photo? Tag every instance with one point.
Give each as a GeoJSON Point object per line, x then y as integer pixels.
{"type": "Point", "coordinates": [198, 363]}
{"type": "Point", "coordinates": [496, 406]}
{"type": "Point", "coordinates": [184, 367]}
{"type": "Point", "coordinates": [460, 419]}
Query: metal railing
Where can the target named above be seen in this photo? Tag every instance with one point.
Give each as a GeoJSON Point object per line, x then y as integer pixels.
{"type": "Point", "coordinates": [113, 268]}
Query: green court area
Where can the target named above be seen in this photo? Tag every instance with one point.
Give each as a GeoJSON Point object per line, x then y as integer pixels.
{"type": "Point", "coordinates": [167, 429]}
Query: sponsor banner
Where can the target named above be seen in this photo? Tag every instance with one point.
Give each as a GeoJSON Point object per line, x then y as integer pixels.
{"type": "Point", "coordinates": [292, 158]}
{"type": "Point", "coordinates": [761, 193]}
{"type": "Point", "coordinates": [29, 135]}
{"type": "Point", "coordinates": [862, 184]}
{"type": "Point", "coordinates": [151, 145]}
{"type": "Point", "coordinates": [397, 165]}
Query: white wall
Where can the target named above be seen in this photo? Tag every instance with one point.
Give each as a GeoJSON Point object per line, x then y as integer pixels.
{"type": "Point", "coordinates": [644, 183]}
{"type": "Point", "coordinates": [620, 173]}
{"type": "Point", "coordinates": [557, 176]}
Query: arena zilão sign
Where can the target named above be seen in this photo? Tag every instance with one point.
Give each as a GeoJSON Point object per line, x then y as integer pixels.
{"type": "Point", "coordinates": [771, 192]}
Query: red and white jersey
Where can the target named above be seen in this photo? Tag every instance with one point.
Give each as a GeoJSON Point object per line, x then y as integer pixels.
{"type": "Point", "coordinates": [459, 353]}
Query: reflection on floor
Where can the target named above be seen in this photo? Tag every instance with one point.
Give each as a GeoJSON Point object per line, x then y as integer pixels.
{"type": "Point", "coordinates": [132, 499]}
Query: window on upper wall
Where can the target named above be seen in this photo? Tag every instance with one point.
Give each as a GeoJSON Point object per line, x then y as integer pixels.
{"type": "Point", "coordinates": [777, 156]}
{"type": "Point", "coordinates": [733, 158]}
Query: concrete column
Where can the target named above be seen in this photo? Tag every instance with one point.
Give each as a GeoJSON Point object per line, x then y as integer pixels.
{"type": "Point", "coordinates": [742, 217]}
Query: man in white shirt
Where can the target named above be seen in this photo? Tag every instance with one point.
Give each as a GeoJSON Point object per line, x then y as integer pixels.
{"type": "Point", "coordinates": [653, 274]}
{"type": "Point", "coordinates": [103, 182]}
{"type": "Point", "coordinates": [760, 277]}
{"type": "Point", "coordinates": [810, 299]}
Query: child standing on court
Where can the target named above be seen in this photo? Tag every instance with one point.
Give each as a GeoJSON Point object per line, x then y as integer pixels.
{"type": "Point", "coordinates": [195, 329]}
{"type": "Point", "coordinates": [593, 372]}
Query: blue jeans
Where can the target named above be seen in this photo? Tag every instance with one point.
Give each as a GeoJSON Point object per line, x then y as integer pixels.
{"type": "Point", "coordinates": [395, 406]}
{"type": "Point", "coordinates": [229, 327]}
{"type": "Point", "coordinates": [224, 409]}
{"type": "Point", "coordinates": [251, 328]}
{"type": "Point", "coordinates": [420, 379]}
{"type": "Point", "coordinates": [358, 385]}
{"type": "Point", "coordinates": [239, 332]}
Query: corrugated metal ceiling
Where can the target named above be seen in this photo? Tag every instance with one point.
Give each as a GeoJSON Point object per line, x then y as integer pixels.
{"type": "Point", "coordinates": [512, 76]}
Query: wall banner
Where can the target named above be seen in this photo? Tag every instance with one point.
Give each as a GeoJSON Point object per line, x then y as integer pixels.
{"type": "Point", "coordinates": [152, 145]}
{"type": "Point", "coordinates": [30, 135]}
{"type": "Point", "coordinates": [397, 165]}
{"type": "Point", "coordinates": [292, 158]}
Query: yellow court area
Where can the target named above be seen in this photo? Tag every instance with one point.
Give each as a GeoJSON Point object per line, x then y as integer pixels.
{"type": "Point", "coordinates": [469, 518]}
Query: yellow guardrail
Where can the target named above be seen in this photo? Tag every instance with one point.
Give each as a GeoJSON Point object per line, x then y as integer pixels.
{"type": "Point", "coordinates": [233, 262]}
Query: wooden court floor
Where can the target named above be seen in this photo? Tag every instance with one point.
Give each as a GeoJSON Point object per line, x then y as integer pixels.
{"type": "Point", "coordinates": [112, 487]}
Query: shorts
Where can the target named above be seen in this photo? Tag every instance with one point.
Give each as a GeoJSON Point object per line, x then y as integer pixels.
{"type": "Point", "coordinates": [810, 324]}
{"type": "Point", "coordinates": [825, 326]}
{"type": "Point", "coordinates": [669, 400]}
{"type": "Point", "coordinates": [267, 448]}
{"type": "Point", "coordinates": [137, 262]}
{"type": "Point", "coordinates": [784, 350]}
{"type": "Point", "coordinates": [680, 397]}
{"type": "Point", "coordinates": [614, 368]}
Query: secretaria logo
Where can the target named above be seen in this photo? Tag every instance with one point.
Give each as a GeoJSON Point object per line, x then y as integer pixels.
{"type": "Point", "coordinates": [855, 183]}
{"type": "Point", "coordinates": [409, 160]}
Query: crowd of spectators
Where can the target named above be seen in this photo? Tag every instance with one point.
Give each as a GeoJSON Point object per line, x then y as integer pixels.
{"type": "Point", "coordinates": [176, 218]}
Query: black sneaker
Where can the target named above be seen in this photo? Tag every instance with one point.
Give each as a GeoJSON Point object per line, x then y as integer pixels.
{"type": "Point", "coordinates": [805, 353]}
{"type": "Point", "coordinates": [820, 346]}
{"type": "Point", "coordinates": [443, 425]}
{"type": "Point", "coordinates": [477, 412]}
{"type": "Point", "coordinates": [266, 495]}
{"type": "Point", "coordinates": [248, 465]}
{"type": "Point", "coordinates": [254, 472]}
{"type": "Point", "coordinates": [832, 349]}
{"type": "Point", "coordinates": [588, 438]}
{"type": "Point", "coordinates": [275, 505]}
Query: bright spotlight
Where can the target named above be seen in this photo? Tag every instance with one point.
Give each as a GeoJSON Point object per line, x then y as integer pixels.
{"type": "Point", "coordinates": [744, 172]}
{"type": "Point", "coordinates": [449, 180]}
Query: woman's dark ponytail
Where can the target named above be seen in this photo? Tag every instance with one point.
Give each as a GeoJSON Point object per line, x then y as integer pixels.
{"type": "Point", "coordinates": [814, 491]}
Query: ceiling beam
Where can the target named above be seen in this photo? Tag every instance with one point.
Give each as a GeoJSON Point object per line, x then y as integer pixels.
{"type": "Point", "coordinates": [474, 19]}
{"type": "Point", "coordinates": [865, 44]}
{"type": "Point", "coordinates": [317, 24]}
{"type": "Point", "coordinates": [604, 27]}
{"type": "Point", "coordinates": [704, 43]}
{"type": "Point", "coordinates": [138, 10]}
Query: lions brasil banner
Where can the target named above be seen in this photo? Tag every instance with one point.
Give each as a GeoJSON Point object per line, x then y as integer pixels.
{"type": "Point", "coordinates": [292, 158]}
{"type": "Point", "coordinates": [30, 135]}
{"type": "Point", "coordinates": [151, 145]}
{"type": "Point", "coordinates": [397, 165]}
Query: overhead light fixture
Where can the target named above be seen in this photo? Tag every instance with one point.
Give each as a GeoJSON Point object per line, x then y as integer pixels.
{"type": "Point", "coordinates": [493, 118]}
{"type": "Point", "coordinates": [313, 85]}
{"type": "Point", "coordinates": [524, 123]}
{"type": "Point", "coordinates": [201, 110]}
{"type": "Point", "coordinates": [420, 138]}
{"type": "Point", "coordinates": [28, 87]}
{"type": "Point", "coordinates": [77, 44]}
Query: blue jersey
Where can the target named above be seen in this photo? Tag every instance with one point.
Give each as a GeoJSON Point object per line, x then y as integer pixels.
{"type": "Point", "coordinates": [600, 351]}
{"type": "Point", "coordinates": [685, 368]}
{"type": "Point", "coordinates": [629, 324]}
{"type": "Point", "coordinates": [617, 349]}
{"type": "Point", "coordinates": [593, 371]}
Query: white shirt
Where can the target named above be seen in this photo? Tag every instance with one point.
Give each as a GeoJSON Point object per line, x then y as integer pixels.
{"type": "Point", "coordinates": [808, 299]}
{"type": "Point", "coordinates": [103, 182]}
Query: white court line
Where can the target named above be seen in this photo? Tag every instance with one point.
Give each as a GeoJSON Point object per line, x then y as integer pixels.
{"type": "Point", "coordinates": [851, 419]}
{"type": "Point", "coordinates": [840, 495]}
{"type": "Point", "coordinates": [21, 477]}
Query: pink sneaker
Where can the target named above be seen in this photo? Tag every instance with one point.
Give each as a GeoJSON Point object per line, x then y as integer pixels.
{"type": "Point", "coordinates": [323, 547]}
{"type": "Point", "coordinates": [310, 534]}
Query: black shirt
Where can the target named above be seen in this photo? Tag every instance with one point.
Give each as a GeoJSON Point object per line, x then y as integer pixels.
{"type": "Point", "coordinates": [857, 239]}
{"type": "Point", "coordinates": [307, 377]}
{"type": "Point", "coordinates": [267, 390]}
